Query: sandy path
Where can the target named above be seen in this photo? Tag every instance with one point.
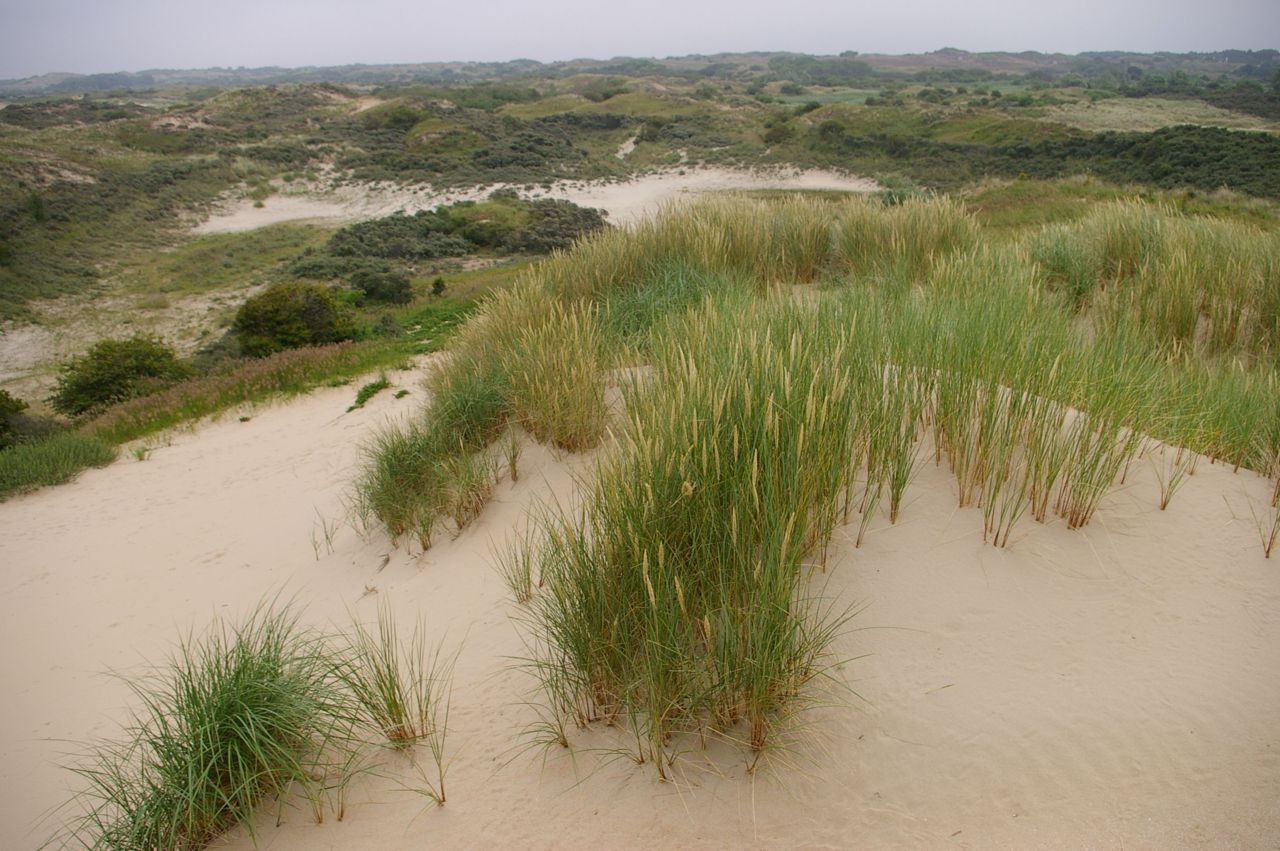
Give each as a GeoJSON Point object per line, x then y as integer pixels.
{"type": "Point", "coordinates": [625, 201]}
{"type": "Point", "coordinates": [1114, 687]}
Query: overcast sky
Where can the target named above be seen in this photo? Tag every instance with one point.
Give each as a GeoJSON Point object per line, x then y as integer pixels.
{"type": "Point", "coordinates": [90, 36]}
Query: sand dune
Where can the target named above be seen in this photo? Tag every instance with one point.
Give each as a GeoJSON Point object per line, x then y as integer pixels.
{"type": "Point", "coordinates": [1110, 687]}
{"type": "Point", "coordinates": [624, 201]}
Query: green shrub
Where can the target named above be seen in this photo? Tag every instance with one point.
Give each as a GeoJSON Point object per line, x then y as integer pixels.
{"type": "Point", "coordinates": [9, 407]}
{"type": "Point", "coordinates": [113, 371]}
{"type": "Point", "coordinates": [383, 286]}
{"type": "Point", "coordinates": [291, 315]}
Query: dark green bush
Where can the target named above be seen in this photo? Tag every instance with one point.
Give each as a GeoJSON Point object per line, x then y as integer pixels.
{"type": "Point", "coordinates": [504, 223]}
{"type": "Point", "coordinates": [113, 371]}
{"type": "Point", "coordinates": [10, 407]}
{"type": "Point", "coordinates": [291, 315]}
{"type": "Point", "coordinates": [383, 286]}
{"type": "Point", "coordinates": [555, 224]}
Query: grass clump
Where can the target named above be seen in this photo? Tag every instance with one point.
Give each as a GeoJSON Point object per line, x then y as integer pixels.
{"type": "Point", "coordinates": [251, 713]}
{"type": "Point", "coordinates": [555, 369]}
{"type": "Point", "coordinates": [900, 241]}
{"type": "Point", "coordinates": [674, 602]}
{"type": "Point", "coordinates": [51, 460]}
{"type": "Point", "coordinates": [396, 683]}
{"type": "Point", "coordinates": [244, 714]}
{"type": "Point", "coordinates": [1187, 283]}
{"type": "Point", "coordinates": [369, 390]}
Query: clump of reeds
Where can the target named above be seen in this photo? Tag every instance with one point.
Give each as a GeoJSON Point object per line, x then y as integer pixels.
{"type": "Point", "coordinates": [1172, 469]}
{"type": "Point", "coordinates": [50, 460]}
{"type": "Point", "coordinates": [514, 359]}
{"type": "Point", "coordinates": [515, 560]}
{"type": "Point", "coordinates": [252, 713]}
{"type": "Point", "coordinates": [469, 478]}
{"type": "Point", "coordinates": [401, 482]}
{"type": "Point", "coordinates": [1186, 283]}
{"type": "Point", "coordinates": [902, 241]}
{"type": "Point", "coordinates": [243, 715]}
{"type": "Point", "coordinates": [400, 688]}
{"type": "Point", "coordinates": [555, 375]}
{"type": "Point", "coordinates": [764, 241]}
{"type": "Point", "coordinates": [674, 601]}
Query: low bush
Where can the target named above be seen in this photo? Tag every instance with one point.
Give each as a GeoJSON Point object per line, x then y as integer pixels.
{"type": "Point", "coordinates": [291, 315]}
{"type": "Point", "coordinates": [113, 371]}
{"type": "Point", "coordinates": [10, 407]}
{"type": "Point", "coordinates": [392, 287]}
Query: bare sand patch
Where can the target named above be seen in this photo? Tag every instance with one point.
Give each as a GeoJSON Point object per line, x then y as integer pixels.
{"type": "Point", "coordinates": [627, 146]}
{"type": "Point", "coordinates": [68, 326]}
{"type": "Point", "coordinates": [22, 349]}
{"type": "Point", "coordinates": [624, 201]}
{"type": "Point", "coordinates": [1109, 687]}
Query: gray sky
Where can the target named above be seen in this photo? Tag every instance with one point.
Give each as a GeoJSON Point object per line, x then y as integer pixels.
{"type": "Point", "coordinates": [88, 36]}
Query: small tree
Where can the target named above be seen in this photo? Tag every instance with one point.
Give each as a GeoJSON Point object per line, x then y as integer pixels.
{"type": "Point", "coordinates": [113, 371]}
{"type": "Point", "coordinates": [437, 286]}
{"type": "Point", "coordinates": [291, 315]}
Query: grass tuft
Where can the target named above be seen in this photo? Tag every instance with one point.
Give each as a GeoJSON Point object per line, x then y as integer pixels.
{"type": "Point", "coordinates": [51, 460]}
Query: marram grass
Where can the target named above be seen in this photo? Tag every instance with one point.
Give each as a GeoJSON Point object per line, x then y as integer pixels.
{"type": "Point", "coordinates": [252, 714]}
{"type": "Point", "coordinates": [676, 599]}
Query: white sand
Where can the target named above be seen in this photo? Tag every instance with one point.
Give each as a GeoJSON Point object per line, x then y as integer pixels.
{"type": "Point", "coordinates": [1113, 687]}
{"type": "Point", "coordinates": [625, 201]}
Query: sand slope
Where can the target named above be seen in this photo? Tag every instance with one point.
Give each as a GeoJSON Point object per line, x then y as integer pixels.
{"type": "Point", "coordinates": [625, 201]}
{"type": "Point", "coordinates": [1113, 687]}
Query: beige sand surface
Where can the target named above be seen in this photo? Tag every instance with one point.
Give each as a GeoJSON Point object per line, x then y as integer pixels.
{"type": "Point", "coordinates": [1116, 687]}
{"type": "Point", "coordinates": [625, 201]}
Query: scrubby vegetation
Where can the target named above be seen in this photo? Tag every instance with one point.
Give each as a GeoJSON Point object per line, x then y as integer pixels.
{"type": "Point", "coordinates": [677, 601]}
{"type": "Point", "coordinates": [290, 316]}
{"type": "Point", "coordinates": [10, 408]}
{"type": "Point", "coordinates": [90, 186]}
{"type": "Point", "coordinates": [504, 223]}
{"type": "Point", "coordinates": [113, 371]}
{"type": "Point", "coordinates": [282, 374]}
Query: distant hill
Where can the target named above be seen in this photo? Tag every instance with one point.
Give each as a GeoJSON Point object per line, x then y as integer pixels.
{"type": "Point", "coordinates": [1246, 64]}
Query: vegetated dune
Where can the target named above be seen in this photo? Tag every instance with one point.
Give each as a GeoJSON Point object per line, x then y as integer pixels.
{"type": "Point", "coordinates": [1104, 687]}
{"type": "Point", "coordinates": [1001, 683]}
{"type": "Point", "coordinates": [624, 201]}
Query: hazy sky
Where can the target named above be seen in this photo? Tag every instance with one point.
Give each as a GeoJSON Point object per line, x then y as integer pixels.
{"type": "Point", "coordinates": [87, 36]}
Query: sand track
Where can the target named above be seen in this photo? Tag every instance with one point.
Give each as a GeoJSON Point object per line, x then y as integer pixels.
{"type": "Point", "coordinates": [1112, 687]}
